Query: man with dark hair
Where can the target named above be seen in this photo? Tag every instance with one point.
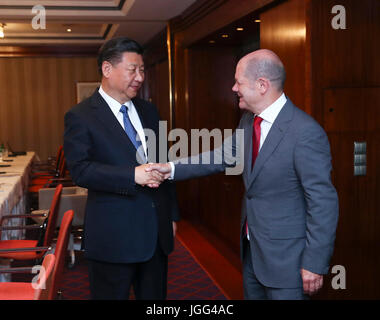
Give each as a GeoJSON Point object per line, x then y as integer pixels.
{"type": "Point", "coordinates": [129, 229]}
{"type": "Point", "coordinates": [112, 51]}
{"type": "Point", "coordinates": [290, 207]}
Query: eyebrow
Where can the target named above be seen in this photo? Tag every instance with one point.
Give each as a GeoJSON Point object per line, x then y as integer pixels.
{"type": "Point", "coordinates": [135, 65]}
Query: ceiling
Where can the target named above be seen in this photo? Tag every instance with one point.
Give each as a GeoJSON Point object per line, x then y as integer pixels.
{"type": "Point", "coordinates": [238, 33]}
{"type": "Point", "coordinates": [84, 22]}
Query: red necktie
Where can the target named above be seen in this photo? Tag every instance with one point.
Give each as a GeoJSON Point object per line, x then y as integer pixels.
{"type": "Point", "coordinates": [256, 134]}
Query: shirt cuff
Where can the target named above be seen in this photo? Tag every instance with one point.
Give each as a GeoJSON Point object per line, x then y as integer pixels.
{"type": "Point", "coordinates": [172, 172]}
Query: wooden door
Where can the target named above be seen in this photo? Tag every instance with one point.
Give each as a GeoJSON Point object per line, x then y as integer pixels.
{"type": "Point", "coordinates": [352, 115]}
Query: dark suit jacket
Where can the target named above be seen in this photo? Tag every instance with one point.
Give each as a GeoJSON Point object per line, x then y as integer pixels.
{"type": "Point", "coordinates": [289, 201]}
{"type": "Point", "coordinates": [123, 220]}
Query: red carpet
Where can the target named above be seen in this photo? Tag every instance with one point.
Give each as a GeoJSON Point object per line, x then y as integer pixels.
{"type": "Point", "coordinates": [187, 280]}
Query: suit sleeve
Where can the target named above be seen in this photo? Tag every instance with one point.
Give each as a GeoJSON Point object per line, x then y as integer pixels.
{"type": "Point", "coordinates": [87, 172]}
{"type": "Point", "coordinates": [313, 167]}
{"type": "Point", "coordinates": [229, 157]}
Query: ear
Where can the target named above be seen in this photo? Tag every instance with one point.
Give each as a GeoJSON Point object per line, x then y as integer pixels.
{"type": "Point", "coordinates": [263, 85]}
{"type": "Point", "coordinates": [106, 69]}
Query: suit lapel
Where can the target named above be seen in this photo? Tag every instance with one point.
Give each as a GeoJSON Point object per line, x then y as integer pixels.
{"type": "Point", "coordinates": [248, 130]}
{"type": "Point", "coordinates": [142, 114]}
{"type": "Point", "coordinates": [104, 114]}
{"type": "Point", "coordinates": [274, 137]}
{"type": "Point", "coordinates": [144, 119]}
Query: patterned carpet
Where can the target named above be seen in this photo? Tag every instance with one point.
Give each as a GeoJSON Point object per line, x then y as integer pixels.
{"type": "Point", "coordinates": [187, 280]}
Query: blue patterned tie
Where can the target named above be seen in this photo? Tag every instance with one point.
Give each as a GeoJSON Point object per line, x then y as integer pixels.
{"type": "Point", "coordinates": [128, 127]}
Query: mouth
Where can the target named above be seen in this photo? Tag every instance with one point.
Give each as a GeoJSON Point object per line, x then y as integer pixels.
{"type": "Point", "coordinates": [241, 101]}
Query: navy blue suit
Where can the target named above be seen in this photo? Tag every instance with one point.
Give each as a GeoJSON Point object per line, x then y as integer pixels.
{"type": "Point", "coordinates": [124, 222]}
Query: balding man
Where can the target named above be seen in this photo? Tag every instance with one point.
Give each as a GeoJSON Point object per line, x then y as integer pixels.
{"type": "Point", "coordinates": [290, 207]}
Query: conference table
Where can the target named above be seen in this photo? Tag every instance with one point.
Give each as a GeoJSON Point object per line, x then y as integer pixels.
{"type": "Point", "coordinates": [14, 181]}
{"type": "Point", "coordinates": [13, 187]}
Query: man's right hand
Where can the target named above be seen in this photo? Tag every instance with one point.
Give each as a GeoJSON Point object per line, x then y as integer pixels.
{"type": "Point", "coordinates": [163, 169]}
{"type": "Point", "coordinates": [152, 178]}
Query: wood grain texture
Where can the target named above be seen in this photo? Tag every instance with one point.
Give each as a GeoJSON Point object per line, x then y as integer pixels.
{"type": "Point", "coordinates": [284, 30]}
{"type": "Point", "coordinates": [35, 92]}
{"type": "Point", "coordinates": [213, 201]}
{"type": "Point", "coordinates": [357, 237]}
{"type": "Point", "coordinates": [345, 100]}
{"type": "Point", "coordinates": [156, 88]}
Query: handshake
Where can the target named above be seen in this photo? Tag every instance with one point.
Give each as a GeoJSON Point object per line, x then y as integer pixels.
{"type": "Point", "coordinates": [152, 174]}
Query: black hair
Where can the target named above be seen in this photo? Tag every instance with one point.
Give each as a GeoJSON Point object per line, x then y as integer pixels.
{"type": "Point", "coordinates": [112, 51]}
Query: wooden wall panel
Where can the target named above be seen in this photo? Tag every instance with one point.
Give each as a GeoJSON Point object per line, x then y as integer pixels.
{"type": "Point", "coordinates": [345, 99]}
{"type": "Point", "coordinates": [156, 88]}
{"type": "Point", "coordinates": [344, 58]}
{"type": "Point", "coordinates": [213, 201]}
{"type": "Point", "coordinates": [284, 29]}
{"type": "Point", "coordinates": [350, 55]}
{"type": "Point", "coordinates": [182, 72]}
{"type": "Point", "coordinates": [163, 99]}
{"type": "Point", "coordinates": [357, 238]}
{"type": "Point", "coordinates": [35, 92]}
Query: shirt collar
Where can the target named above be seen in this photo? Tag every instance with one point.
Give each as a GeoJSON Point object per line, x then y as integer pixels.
{"type": "Point", "coordinates": [270, 114]}
{"type": "Point", "coordinates": [112, 103]}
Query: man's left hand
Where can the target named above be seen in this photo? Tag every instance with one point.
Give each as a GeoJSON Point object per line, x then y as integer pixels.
{"type": "Point", "coordinates": [312, 282]}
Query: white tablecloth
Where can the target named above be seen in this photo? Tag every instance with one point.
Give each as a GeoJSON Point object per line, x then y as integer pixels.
{"type": "Point", "coordinates": [14, 184]}
{"type": "Point", "coordinates": [13, 193]}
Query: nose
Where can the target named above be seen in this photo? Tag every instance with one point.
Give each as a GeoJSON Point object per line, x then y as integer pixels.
{"type": "Point", "coordinates": [139, 76]}
{"type": "Point", "coordinates": [234, 88]}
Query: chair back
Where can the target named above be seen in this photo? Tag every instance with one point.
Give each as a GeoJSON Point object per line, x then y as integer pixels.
{"type": "Point", "coordinates": [60, 253]}
{"type": "Point", "coordinates": [62, 166]}
{"type": "Point", "coordinates": [52, 218]}
{"type": "Point", "coordinates": [58, 158]}
{"type": "Point", "coordinates": [43, 284]}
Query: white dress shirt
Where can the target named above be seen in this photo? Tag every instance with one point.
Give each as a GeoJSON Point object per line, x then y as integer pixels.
{"type": "Point", "coordinates": [269, 115]}
{"type": "Point", "coordinates": [132, 113]}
